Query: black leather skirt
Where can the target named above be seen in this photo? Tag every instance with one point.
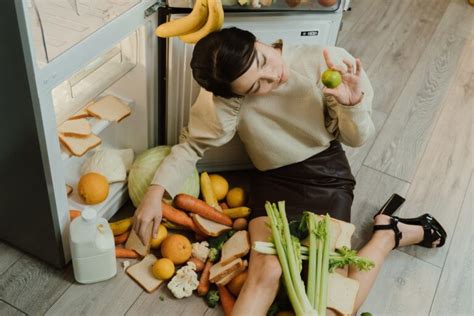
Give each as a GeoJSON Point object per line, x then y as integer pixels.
{"type": "Point", "coordinates": [321, 184]}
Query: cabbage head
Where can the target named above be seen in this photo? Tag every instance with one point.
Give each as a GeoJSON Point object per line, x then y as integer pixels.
{"type": "Point", "coordinates": [143, 169]}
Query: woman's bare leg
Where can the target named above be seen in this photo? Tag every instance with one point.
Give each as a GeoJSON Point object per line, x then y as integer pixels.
{"type": "Point", "coordinates": [261, 286]}
{"type": "Point", "coordinates": [377, 249]}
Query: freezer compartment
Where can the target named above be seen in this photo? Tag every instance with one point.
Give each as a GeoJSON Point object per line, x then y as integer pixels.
{"type": "Point", "coordinates": [74, 93]}
{"type": "Point", "coordinates": [268, 5]}
{"type": "Point", "coordinates": [57, 25]}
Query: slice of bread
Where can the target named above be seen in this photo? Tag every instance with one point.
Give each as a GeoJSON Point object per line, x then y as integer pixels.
{"type": "Point", "coordinates": [134, 242]}
{"type": "Point", "coordinates": [220, 271]}
{"type": "Point", "coordinates": [143, 275]}
{"type": "Point", "coordinates": [347, 229]}
{"type": "Point", "coordinates": [232, 275]}
{"type": "Point", "coordinates": [209, 227]}
{"type": "Point", "coordinates": [78, 146]}
{"type": "Point", "coordinates": [79, 128]}
{"type": "Point", "coordinates": [236, 247]}
{"type": "Point", "coordinates": [109, 108]}
{"type": "Point", "coordinates": [342, 293]}
{"type": "Point", "coordinates": [82, 113]}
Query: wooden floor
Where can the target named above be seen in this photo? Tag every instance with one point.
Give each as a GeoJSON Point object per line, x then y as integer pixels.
{"type": "Point", "coordinates": [419, 55]}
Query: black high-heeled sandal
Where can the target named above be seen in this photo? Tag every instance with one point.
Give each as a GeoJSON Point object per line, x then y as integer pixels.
{"type": "Point", "coordinates": [432, 230]}
{"type": "Point", "coordinates": [392, 205]}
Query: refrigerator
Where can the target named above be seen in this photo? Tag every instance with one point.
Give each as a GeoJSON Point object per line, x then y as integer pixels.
{"type": "Point", "coordinates": [65, 54]}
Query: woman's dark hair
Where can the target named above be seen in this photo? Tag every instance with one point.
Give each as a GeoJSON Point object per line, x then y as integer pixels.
{"type": "Point", "coordinates": [221, 57]}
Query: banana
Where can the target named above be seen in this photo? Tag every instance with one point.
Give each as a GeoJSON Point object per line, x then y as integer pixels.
{"type": "Point", "coordinates": [121, 226]}
{"type": "Point", "coordinates": [214, 22]}
{"type": "Point", "coordinates": [194, 20]}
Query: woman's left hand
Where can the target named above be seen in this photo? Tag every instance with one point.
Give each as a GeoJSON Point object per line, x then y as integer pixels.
{"type": "Point", "coordinates": [349, 91]}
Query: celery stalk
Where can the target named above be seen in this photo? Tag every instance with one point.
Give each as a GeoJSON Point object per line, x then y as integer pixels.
{"type": "Point", "coordinates": [323, 289]}
{"type": "Point", "coordinates": [311, 283]}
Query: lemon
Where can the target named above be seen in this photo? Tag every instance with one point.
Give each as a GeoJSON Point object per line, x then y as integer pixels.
{"type": "Point", "coordinates": [163, 269]}
{"type": "Point", "coordinates": [162, 233]}
{"type": "Point", "coordinates": [236, 197]}
{"type": "Point", "coordinates": [331, 78]}
{"type": "Point", "coordinates": [219, 185]}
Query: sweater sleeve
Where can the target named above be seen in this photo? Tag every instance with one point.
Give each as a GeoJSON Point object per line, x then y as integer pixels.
{"type": "Point", "coordinates": [352, 125]}
{"type": "Point", "coordinates": [212, 123]}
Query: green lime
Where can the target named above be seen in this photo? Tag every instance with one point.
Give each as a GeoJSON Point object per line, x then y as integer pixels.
{"type": "Point", "coordinates": [366, 314]}
{"type": "Point", "coordinates": [331, 78]}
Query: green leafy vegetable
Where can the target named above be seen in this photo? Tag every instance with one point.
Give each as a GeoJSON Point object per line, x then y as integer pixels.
{"type": "Point", "coordinates": [212, 298]}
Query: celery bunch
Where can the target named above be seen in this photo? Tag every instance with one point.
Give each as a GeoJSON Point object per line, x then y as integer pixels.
{"type": "Point", "coordinates": [288, 256]}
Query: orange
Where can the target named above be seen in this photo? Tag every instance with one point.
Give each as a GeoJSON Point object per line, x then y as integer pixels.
{"type": "Point", "coordinates": [163, 269]}
{"type": "Point", "coordinates": [219, 185]}
{"type": "Point", "coordinates": [236, 197]}
{"type": "Point", "coordinates": [331, 78]}
{"type": "Point", "coordinates": [236, 284]}
{"type": "Point", "coordinates": [93, 188]}
{"type": "Point", "coordinates": [177, 248]}
{"type": "Point", "coordinates": [162, 233]}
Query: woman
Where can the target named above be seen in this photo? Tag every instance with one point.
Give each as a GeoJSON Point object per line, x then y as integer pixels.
{"type": "Point", "coordinates": [292, 128]}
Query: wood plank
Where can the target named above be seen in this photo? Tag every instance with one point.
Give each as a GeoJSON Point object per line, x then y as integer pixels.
{"type": "Point", "coordinates": [8, 256]}
{"type": "Point", "coordinates": [454, 294]}
{"type": "Point", "coordinates": [365, 38]}
{"type": "Point", "coordinates": [399, 55]}
{"type": "Point", "coordinates": [359, 9]}
{"type": "Point", "coordinates": [111, 297]}
{"type": "Point", "coordinates": [459, 19]}
{"type": "Point", "coordinates": [443, 175]}
{"type": "Point", "coordinates": [8, 310]}
{"type": "Point", "coordinates": [33, 286]}
{"type": "Point", "coordinates": [373, 188]}
{"type": "Point", "coordinates": [357, 155]}
{"type": "Point", "coordinates": [402, 141]}
{"type": "Point", "coordinates": [162, 302]}
{"type": "Point", "coordinates": [405, 286]}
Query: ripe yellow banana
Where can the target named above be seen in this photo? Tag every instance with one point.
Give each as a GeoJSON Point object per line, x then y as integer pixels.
{"type": "Point", "coordinates": [214, 22]}
{"type": "Point", "coordinates": [121, 226]}
{"type": "Point", "coordinates": [194, 20]}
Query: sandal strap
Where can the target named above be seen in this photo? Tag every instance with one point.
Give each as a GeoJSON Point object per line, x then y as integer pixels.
{"type": "Point", "coordinates": [393, 226]}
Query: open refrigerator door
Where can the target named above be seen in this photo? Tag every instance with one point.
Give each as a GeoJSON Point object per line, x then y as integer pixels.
{"type": "Point", "coordinates": [94, 66]}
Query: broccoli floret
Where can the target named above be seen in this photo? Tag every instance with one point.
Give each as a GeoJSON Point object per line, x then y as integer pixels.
{"type": "Point", "coordinates": [212, 298]}
{"type": "Point", "coordinates": [214, 254]}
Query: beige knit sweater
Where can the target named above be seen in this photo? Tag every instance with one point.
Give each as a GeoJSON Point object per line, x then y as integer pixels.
{"type": "Point", "coordinates": [288, 125]}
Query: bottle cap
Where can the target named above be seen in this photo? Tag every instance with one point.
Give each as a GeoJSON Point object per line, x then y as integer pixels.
{"type": "Point", "coordinates": [89, 215]}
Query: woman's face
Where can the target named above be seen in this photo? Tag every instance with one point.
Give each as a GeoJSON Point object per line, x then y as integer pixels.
{"type": "Point", "coordinates": [267, 72]}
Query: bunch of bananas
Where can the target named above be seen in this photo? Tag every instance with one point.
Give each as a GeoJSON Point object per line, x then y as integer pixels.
{"type": "Point", "coordinates": [206, 17]}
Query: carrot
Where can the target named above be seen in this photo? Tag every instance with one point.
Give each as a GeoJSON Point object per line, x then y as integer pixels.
{"type": "Point", "coordinates": [73, 214]}
{"type": "Point", "coordinates": [191, 204]}
{"type": "Point", "coordinates": [204, 282]}
{"type": "Point", "coordinates": [227, 300]}
{"type": "Point", "coordinates": [126, 253]}
{"type": "Point", "coordinates": [179, 217]}
{"type": "Point", "coordinates": [120, 239]}
{"type": "Point", "coordinates": [199, 264]}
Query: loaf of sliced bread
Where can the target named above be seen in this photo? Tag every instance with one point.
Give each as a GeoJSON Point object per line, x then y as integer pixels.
{"type": "Point", "coordinates": [143, 275]}
{"type": "Point", "coordinates": [342, 293]}
{"type": "Point", "coordinates": [236, 247]}
{"type": "Point", "coordinates": [78, 128]}
{"type": "Point", "coordinates": [109, 108]}
{"type": "Point", "coordinates": [78, 146]}
{"type": "Point", "coordinates": [220, 271]}
{"type": "Point", "coordinates": [209, 227]}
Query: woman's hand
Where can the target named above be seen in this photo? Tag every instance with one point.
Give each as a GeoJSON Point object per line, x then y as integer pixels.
{"type": "Point", "coordinates": [349, 91]}
{"type": "Point", "coordinates": [149, 211]}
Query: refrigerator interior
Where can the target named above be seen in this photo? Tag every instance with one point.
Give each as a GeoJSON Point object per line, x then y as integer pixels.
{"type": "Point", "coordinates": [126, 70]}
{"type": "Point", "coordinates": [182, 89]}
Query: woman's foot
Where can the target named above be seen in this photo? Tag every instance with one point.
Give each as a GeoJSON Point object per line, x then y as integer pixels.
{"type": "Point", "coordinates": [410, 234]}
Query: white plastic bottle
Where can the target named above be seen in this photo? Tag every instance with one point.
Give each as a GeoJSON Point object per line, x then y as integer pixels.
{"type": "Point", "coordinates": [92, 248]}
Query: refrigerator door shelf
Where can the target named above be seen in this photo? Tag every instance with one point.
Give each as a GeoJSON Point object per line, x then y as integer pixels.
{"type": "Point", "coordinates": [95, 77]}
{"type": "Point", "coordinates": [60, 24]}
{"type": "Point", "coordinates": [268, 5]}
{"type": "Point", "coordinates": [98, 125]}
